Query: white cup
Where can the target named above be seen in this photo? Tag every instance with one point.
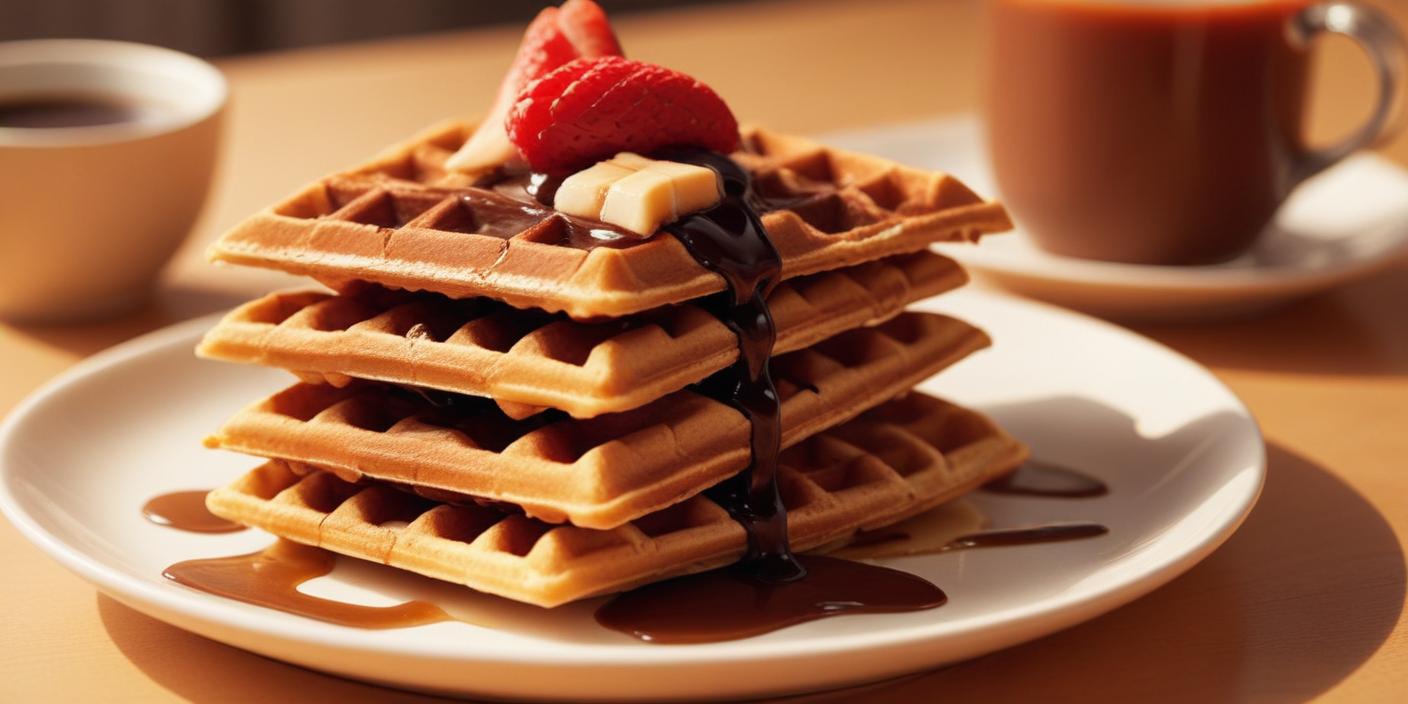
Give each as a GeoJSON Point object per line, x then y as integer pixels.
{"type": "Point", "coordinates": [89, 215]}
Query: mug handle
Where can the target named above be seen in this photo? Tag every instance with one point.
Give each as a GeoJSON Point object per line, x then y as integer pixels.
{"type": "Point", "coordinates": [1381, 40]}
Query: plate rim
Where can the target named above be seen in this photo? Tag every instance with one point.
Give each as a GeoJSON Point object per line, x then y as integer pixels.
{"type": "Point", "coordinates": [212, 612]}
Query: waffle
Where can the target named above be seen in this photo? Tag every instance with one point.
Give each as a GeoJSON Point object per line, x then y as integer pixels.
{"type": "Point", "coordinates": [526, 360]}
{"type": "Point", "coordinates": [599, 472]}
{"type": "Point", "coordinates": [894, 461]}
{"type": "Point", "coordinates": [403, 222]}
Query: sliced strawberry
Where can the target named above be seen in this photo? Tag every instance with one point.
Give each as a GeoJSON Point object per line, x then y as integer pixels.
{"type": "Point", "coordinates": [593, 108]}
{"type": "Point", "coordinates": [586, 26]}
{"type": "Point", "coordinates": [544, 47]}
{"type": "Point", "coordinates": [555, 37]}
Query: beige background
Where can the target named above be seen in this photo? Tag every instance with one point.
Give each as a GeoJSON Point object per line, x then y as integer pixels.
{"type": "Point", "coordinates": [1305, 601]}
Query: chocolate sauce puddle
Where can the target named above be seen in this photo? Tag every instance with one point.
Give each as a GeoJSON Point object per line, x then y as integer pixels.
{"type": "Point", "coordinates": [732, 603]}
{"type": "Point", "coordinates": [1035, 535]}
{"type": "Point", "coordinates": [1048, 480]}
{"type": "Point", "coordinates": [888, 543]}
{"type": "Point", "coordinates": [869, 538]}
{"type": "Point", "coordinates": [185, 510]}
{"type": "Point", "coordinates": [270, 578]}
{"type": "Point", "coordinates": [507, 214]}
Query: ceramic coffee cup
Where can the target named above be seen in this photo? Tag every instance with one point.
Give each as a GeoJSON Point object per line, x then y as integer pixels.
{"type": "Point", "coordinates": [106, 155]}
{"type": "Point", "coordinates": [1165, 131]}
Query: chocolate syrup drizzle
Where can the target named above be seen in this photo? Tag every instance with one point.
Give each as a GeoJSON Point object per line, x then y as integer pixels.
{"type": "Point", "coordinates": [729, 240]}
{"type": "Point", "coordinates": [185, 510]}
{"type": "Point", "coordinates": [1012, 537]}
{"type": "Point", "coordinates": [543, 187]}
{"type": "Point", "coordinates": [1044, 479]}
{"type": "Point", "coordinates": [509, 201]}
{"type": "Point", "coordinates": [270, 578]}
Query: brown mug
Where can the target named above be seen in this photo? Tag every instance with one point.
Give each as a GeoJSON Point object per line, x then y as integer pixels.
{"type": "Point", "coordinates": [1164, 131]}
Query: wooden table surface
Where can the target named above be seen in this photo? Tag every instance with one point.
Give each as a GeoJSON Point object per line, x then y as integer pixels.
{"type": "Point", "coordinates": [1305, 601]}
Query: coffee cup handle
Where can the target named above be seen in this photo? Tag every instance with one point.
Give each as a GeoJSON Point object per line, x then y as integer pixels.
{"type": "Point", "coordinates": [1385, 46]}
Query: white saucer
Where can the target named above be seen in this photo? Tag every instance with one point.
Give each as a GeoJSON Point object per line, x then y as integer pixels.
{"type": "Point", "coordinates": [1183, 459]}
{"type": "Point", "coordinates": [1342, 226]}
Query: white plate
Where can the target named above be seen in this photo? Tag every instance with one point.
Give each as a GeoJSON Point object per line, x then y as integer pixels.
{"type": "Point", "coordinates": [1183, 459]}
{"type": "Point", "coordinates": [1342, 226]}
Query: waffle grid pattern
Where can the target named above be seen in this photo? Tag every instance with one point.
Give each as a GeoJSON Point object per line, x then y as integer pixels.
{"type": "Point", "coordinates": [599, 472]}
{"type": "Point", "coordinates": [402, 221]}
{"type": "Point", "coordinates": [892, 462]}
{"type": "Point", "coordinates": [528, 360]}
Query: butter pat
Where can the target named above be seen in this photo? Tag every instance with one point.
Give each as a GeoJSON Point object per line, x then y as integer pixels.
{"type": "Point", "coordinates": [696, 187]}
{"type": "Point", "coordinates": [636, 193]}
{"type": "Point", "coordinates": [641, 202]}
{"type": "Point", "coordinates": [582, 193]}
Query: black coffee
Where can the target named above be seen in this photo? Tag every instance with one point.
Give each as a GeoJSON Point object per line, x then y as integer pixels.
{"type": "Point", "coordinates": [75, 110]}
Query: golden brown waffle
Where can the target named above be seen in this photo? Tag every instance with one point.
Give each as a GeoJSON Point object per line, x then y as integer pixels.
{"type": "Point", "coordinates": [599, 472]}
{"type": "Point", "coordinates": [526, 360]}
{"type": "Point", "coordinates": [897, 460]}
{"type": "Point", "coordinates": [404, 222]}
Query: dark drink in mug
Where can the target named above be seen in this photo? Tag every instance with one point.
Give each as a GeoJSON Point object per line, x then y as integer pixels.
{"type": "Point", "coordinates": [1162, 131]}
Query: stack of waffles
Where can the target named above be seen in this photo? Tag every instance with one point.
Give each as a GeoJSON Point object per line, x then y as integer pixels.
{"type": "Point", "coordinates": [494, 398]}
